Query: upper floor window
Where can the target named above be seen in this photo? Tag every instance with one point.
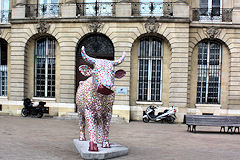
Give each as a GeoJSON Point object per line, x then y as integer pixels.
{"type": "Point", "coordinates": [4, 11]}
{"type": "Point", "coordinates": [209, 72]}
{"type": "Point", "coordinates": [98, 8]}
{"type": "Point", "coordinates": [151, 7]}
{"type": "Point", "coordinates": [48, 8]}
{"type": "Point", "coordinates": [150, 69]}
{"type": "Point", "coordinates": [210, 9]}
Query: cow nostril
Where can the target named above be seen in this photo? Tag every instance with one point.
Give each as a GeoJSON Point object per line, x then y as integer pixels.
{"type": "Point", "coordinates": [104, 90]}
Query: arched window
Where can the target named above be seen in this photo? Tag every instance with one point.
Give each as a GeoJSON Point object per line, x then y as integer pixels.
{"type": "Point", "coordinates": [209, 72]}
{"type": "Point", "coordinates": [3, 67]}
{"type": "Point", "coordinates": [45, 55]}
{"type": "Point", "coordinates": [97, 46]}
{"type": "Point", "coordinates": [150, 56]}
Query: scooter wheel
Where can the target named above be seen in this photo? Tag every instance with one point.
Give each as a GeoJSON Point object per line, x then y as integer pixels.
{"type": "Point", "coordinates": [39, 115]}
{"type": "Point", "coordinates": [170, 119]}
{"type": "Point", "coordinates": [146, 120]}
{"type": "Point", "coordinates": [24, 112]}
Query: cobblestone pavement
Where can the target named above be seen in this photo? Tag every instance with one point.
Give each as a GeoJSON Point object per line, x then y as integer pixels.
{"type": "Point", "coordinates": [52, 139]}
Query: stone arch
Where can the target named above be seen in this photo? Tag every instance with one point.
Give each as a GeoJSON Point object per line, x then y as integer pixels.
{"type": "Point", "coordinates": [199, 34]}
{"type": "Point", "coordinates": [29, 61]}
{"type": "Point", "coordinates": [96, 45]}
{"type": "Point", "coordinates": [165, 69]}
{"type": "Point", "coordinates": [224, 74]}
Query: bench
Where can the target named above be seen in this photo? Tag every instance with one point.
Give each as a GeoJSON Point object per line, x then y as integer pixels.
{"type": "Point", "coordinates": [232, 122]}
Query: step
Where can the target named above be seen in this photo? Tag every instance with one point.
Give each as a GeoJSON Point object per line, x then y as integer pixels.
{"type": "Point", "coordinates": [74, 116]}
{"type": "Point", "coordinates": [4, 114]}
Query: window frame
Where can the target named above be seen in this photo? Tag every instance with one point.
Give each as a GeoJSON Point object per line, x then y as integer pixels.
{"type": "Point", "coordinates": [3, 70]}
{"type": "Point", "coordinates": [46, 74]}
{"type": "Point", "coordinates": [50, 5]}
{"type": "Point", "coordinates": [208, 75]}
{"type": "Point", "coordinates": [209, 16]}
{"type": "Point", "coordinates": [150, 59]}
{"type": "Point", "coordinates": [147, 3]}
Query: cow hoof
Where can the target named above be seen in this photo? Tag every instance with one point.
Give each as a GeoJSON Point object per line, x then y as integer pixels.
{"type": "Point", "coordinates": [93, 147]}
{"type": "Point", "coordinates": [82, 138]}
{"type": "Point", "coordinates": [105, 145]}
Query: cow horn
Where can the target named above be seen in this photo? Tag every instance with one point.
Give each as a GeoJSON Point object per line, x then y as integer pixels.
{"type": "Point", "coordinates": [120, 60]}
{"type": "Point", "coordinates": [86, 57]}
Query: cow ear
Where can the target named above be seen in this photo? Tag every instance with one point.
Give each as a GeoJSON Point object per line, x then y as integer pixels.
{"type": "Point", "coordinates": [85, 70]}
{"type": "Point", "coordinates": [120, 73]}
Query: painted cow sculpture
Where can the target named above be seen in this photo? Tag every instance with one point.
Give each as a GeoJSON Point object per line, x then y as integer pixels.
{"type": "Point", "coordinates": [95, 97]}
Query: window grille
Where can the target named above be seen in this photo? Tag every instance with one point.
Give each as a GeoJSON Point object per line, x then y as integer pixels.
{"type": "Point", "coordinates": [45, 67]}
{"type": "Point", "coordinates": [3, 68]}
{"type": "Point", "coordinates": [150, 69]}
{"type": "Point", "coordinates": [209, 73]}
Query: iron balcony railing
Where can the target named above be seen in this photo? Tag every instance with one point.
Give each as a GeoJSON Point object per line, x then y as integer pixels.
{"type": "Point", "coordinates": [96, 9]}
{"type": "Point", "coordinates": [152, 9]}
{"type": "Point", "coordinates": [4, 16]}
{"type": "Point", "coordinates": [212, 14]}
{"type": "Point", "coordinates": [48, 10]}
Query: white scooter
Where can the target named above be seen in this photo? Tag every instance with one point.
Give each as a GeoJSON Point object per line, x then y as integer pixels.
{"type": "Point", "coordinates": [168, 115]}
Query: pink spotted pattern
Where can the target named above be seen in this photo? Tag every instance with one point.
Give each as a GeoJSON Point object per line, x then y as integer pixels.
{"type": "Point", "coordinates": [95, 97]}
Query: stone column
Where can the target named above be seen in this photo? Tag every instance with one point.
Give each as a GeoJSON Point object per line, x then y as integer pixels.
{"type": "Point", "coordinates": [19, 11]}
{"type": "Point", "coordinates": [20, 2]}
{"type": "Point", "coordinates": [179, 67]}
{"type": "Point", "coordinates": [17, 65]}
{"type": "Point", "coordinates": [69, 10]}
{"type": "Point", "coordinates": [180, 9]}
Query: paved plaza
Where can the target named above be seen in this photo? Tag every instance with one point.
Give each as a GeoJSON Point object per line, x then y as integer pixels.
{"type": "Point", "coordinates": [52, 139]}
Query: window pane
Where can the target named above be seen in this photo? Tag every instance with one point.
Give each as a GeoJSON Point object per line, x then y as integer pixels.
{"type": "Point", "coordinates": [149, 74]}
{"type": "Point", "coordinates": [45, 67]}
{"type": "Point", "coordinates": [209, 69]}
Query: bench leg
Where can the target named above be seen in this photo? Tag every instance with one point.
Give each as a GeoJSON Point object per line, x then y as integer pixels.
{"type": "Point", "coordinates": [235, 128]}
{"type": "Point", "coordinates": [222, 127]}
{"type": "Point", "coordinates": [194, 128]}
{"type": "Point", "coordinates": [189, 128]}
{"type": "Point", "coordinates": [230, 128]}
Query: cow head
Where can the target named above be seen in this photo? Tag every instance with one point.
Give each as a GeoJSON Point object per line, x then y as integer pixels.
{"type": "Point", "coordinates": [103, 73]}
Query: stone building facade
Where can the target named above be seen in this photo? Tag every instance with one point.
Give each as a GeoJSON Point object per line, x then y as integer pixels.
{"type": "Point", "coordinates": [181, 53]}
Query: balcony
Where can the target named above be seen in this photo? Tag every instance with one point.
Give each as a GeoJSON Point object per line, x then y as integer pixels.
{"type": "Point", "coordinates": [52, 10]}
{"type": "Point", "coordinates": [4, 16]}
{"type": "Point", "coordinates": [173, 10]}
{"type": "Point", "coordinates": [212, 14]}
{"type": "Point", "coordinates": [137, 9]}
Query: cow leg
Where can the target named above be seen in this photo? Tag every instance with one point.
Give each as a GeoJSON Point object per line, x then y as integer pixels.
{"type": "Point", "coordinates": [106, 125]}
{"type": "Point", "coordinates": [81, 124]}
{"type": "Point", "coordinates": [90, 117]}
{"type": "Point", "coordinates": [100, 129]}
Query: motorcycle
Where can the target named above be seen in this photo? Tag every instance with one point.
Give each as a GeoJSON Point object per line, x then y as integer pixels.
{"type": "Point", "coordinates": [35, 109]}
{"type": "Point", "coordinates": [168, 115]}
